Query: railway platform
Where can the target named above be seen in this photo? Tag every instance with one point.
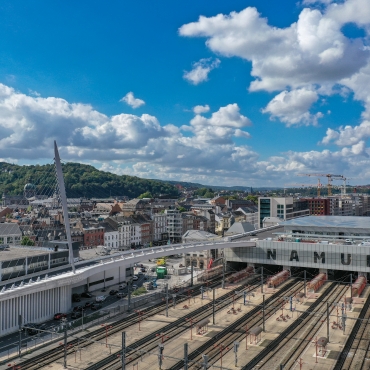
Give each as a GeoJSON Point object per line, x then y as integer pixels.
{"type": "Point", "coordinates": [94, 353]}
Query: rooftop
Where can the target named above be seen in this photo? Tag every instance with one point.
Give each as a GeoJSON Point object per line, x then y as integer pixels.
{"type": "Point", "coordinates": [346, 222]}
{"type": "Point", "coordinates": [12, 253]}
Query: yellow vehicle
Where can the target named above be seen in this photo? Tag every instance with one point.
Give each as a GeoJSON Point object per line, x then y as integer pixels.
{"type": "Point", "coordinates": [161, 262]}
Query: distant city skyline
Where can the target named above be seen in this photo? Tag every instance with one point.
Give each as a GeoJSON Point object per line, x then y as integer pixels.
{"type": "Point", "coordinates": [237, 93]}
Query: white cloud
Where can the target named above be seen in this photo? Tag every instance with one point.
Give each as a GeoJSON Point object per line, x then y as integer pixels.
{"type": "Point", "coordinates": [347, 135]}
{"type": "Point", "coordinates": [292, 107]}
{"type": "Point", "coordinates": [312, 50]}
{"type": "Point", "coordinates": [199, 109]}
{"type": "Point", "coordinates": [142, 146]}
{"type": "Point", "coordinates": [200, 70]}
{"type": "Point", "coordinates": [132, 101]}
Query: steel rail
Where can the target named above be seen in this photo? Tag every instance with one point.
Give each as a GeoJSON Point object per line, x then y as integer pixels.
{"type": "Point", "coordinates": [175, 328]}
{"type": "Point", "coordinates": [48, 357]}
{"type": "Point", "coordinates": [234, 327]}
{"type": "Point", "coordinates": [344, 361]}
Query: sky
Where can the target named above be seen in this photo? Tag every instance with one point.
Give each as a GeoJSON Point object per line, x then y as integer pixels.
{"type": "Point", "coordinates": [233, 92]}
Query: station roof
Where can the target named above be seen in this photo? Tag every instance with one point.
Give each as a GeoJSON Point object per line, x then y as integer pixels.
{"type": "Point", "coordinates": [13, 253]}
{"type": "Point", "coordinates": [343, 222]}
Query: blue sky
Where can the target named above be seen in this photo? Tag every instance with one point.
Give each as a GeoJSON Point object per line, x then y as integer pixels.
{"type": "Point", "coordinates": [233, 93]}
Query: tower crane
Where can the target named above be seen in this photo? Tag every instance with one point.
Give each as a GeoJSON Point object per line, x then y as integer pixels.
{"type": "Point", "coordinates": [329, 176]}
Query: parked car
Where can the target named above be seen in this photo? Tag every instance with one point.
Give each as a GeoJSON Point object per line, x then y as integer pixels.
{"type": "Point", "coordinates": [76, 297]}
{"type": "Point", "coordinates": [88, 304]}
{"type": "Point", "coordinates": [96, 306]}
{"type": "Point", "coordinates": [121, 295]}
{"type": "Point", "coordinates": [86, 295]}
{"type": "Point", "coordinates": [152, 269]}
{"type": "Point", "coordinates": [100, 298]}
{"type": "Point", "coordinates": [135, 277]}
{"type": "Point", "coordinates": [113, 292]}
{"type": "Point", "coordinates": [59, 316]}
{"type": "Point", "coordinates": [143, 269]}
{"type": "Point", "coordinates": [77, 308]}
{"type": "Point", "coordinates": [134, 287]}
{"type": "Point", "coordinates": [122, 286]}
{"type": "Point", "coordinates": [140, 273]}
{"type": "Point", "coordinates": [76, 315]}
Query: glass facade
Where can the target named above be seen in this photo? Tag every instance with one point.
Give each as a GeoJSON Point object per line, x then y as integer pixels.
{"type": "Point", "coordinates": [265, 209]}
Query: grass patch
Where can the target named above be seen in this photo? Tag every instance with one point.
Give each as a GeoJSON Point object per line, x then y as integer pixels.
{"type": "Point", "coordinates": [138, 291]}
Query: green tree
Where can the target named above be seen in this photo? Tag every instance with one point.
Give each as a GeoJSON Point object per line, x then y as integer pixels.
{"type": "Point", "coordinates": [27, 241]}
{"type": "Point", "coordinates": [147, 194]}
{"type": "Point", "coordinates": [252, 198]}
{"type": "Point", "coordinates": [181, 209]}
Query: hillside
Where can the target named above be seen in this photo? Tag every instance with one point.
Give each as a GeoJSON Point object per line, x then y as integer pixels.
{"type": "Point", "coordinates": [81, 181]}
{"type": "Point", "coordinates": [219, 187]}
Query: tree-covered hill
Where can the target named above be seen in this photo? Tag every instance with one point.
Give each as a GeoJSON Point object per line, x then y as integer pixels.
{"type": "Point", "coordinates": [81, 181]}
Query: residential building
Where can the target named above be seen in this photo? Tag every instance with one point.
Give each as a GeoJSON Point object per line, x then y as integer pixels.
{"type": "Point", "coordinates": [159, 228]}
{"type": "Point", "coordinates": [10, 233]}
{"type": "Point", "coordinates": [111, 239]}
{"type": "Point", "coordinates": [174, 225]}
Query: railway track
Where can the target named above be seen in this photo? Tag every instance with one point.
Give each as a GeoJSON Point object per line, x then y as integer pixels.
{"type": "Point", "coordinates": [236, 330]}
{"type": "Point", "coordinates": [52, 355]}
{"type": "Point", "coordinates": [356, 351]}
{"type": "Point", "coordinates": [288, 347]}
{"type": "Point", "coordinates": [150, 342]}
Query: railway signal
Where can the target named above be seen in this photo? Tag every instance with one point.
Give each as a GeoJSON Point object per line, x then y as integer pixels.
{"type": "Point", "coordinates": [163, 336]}
{"type": "Point", "coordinates": [106, 326]}
{"type": "Point", "coordinates": [191, 327]}
{"type": "Point", "coordinates": [140, 313]}
{"type": "Point", "coordinates": [221, 348]}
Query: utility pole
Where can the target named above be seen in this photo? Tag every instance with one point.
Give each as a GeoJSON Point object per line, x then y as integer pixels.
{"type": "Point", "coordinates": [185, 356]}
{"type": "Point", "coordinates": [304, 282]}
{"type": "Point", "coordinates": [205, 362]}
{"type": "Point", "coordinates": [167, 300]}
{"type": "Point", "coordinates": [192, 273]}
{"type": "Point", "coordinates": [160, 355]}
{"type": "Point", "coordinates": [327, 320]}
{"type": "Point", "coordinates": [223, 273]}
{"type": "Point", "coordinates": [236, 347]}
{"type": "Point", "coordinates": [263, 312]}
{"type": "Point", "coordinates": [65, 345]}
{"type": "Point", "coordinates": [123, 350]}
{"type": "Point", "coordinates": [20, 336]}
{"type": "Point", "coordinates": [261, 279]}
{"type": "Point", "coordinates": [213, 307]}
{"type": "Point", "coordinates": [129, 296]}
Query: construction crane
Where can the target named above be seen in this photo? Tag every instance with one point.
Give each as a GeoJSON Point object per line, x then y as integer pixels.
{"type": "Point", "coordinates": [329, 176]}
